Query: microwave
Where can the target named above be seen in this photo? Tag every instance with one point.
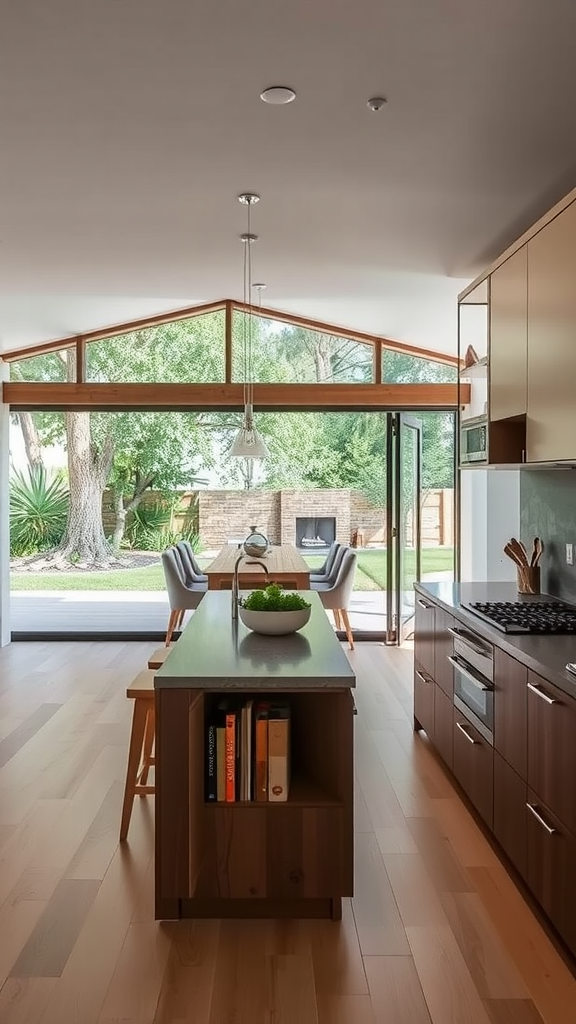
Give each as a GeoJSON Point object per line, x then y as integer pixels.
{"type": "Point", "coordinates": [474, 440]}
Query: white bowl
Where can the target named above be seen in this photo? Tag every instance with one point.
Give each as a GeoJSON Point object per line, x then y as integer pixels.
{"type": "Point", "coordinates": [274, 623]}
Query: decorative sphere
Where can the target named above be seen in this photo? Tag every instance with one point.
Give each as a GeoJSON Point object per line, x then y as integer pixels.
{"type": "Point", "coordinates": [256, 544]}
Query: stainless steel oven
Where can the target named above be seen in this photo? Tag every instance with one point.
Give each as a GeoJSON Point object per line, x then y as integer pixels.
{"type": "Point", "coordinates": [473, 662]}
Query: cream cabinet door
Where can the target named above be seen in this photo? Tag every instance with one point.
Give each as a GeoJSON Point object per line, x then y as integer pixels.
{"type": "Point", "coordinates": [551, 421]}
{"type": "Point", "coordinates": [509, 337]}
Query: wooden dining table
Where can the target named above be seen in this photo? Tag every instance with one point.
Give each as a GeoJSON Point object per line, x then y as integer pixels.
{"type": "Point", "coordinates": [285, 565]}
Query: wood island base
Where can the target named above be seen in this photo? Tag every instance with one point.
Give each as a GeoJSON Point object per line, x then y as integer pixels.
{"type": "Point", "coordinates": [231, 908]}
{"type": "Point", "coordinates": [248, 858]}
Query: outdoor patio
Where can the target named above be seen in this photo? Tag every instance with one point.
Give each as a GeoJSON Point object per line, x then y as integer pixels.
{"type": "Point", "coordinates": [133, 612]}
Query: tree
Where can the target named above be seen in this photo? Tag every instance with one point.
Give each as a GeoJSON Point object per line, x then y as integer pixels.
{"type": "Point", "coordinates": [133, 450]}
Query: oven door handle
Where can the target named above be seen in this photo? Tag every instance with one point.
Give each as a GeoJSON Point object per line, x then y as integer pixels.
{"type": "Point", "coordinates": [467, 671]}
{"type": "Point", "coordinates": [465, 638]}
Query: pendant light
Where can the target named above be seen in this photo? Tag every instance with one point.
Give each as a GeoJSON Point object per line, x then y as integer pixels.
{"type": "Point", "coordinates": [248, 443]}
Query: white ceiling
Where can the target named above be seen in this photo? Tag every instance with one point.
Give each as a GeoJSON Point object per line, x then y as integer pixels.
{"type": "Point", "coordinates": [128, 127]}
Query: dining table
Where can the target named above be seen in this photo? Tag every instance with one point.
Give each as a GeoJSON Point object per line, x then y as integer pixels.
{"type": "Point", "coordinates": [284, 563]}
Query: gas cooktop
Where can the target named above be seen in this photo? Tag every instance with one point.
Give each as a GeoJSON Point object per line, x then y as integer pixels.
{"type": "Point", "coordinates": [526, 616]}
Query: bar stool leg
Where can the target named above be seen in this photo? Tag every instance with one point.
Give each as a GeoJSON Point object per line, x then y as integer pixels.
{"type": "Point", "coordinates": [139, 717]}
{"type": "Point", "coordinates": [147, 758]}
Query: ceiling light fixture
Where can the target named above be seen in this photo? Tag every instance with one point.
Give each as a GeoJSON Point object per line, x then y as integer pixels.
{"type": "Point", "coordinates": [376, 103]}
{"type": "Point", "coordinates": [278, 95]}
{"type": "Point", "coordinates": [248, 443]}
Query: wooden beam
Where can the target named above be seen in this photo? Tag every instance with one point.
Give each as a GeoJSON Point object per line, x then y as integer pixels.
{"type": "Point", "coordinates": [21, 396]}
{"type": "Point", "coordinates": [228, 342]}
{"type": "Point", "coordinates": [80, 360]}
{"type": "Point", "coordinates": [377, 363]}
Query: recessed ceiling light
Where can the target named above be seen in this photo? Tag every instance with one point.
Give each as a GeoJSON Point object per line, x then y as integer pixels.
{"type": "Point", "coordinates": [278, 94]}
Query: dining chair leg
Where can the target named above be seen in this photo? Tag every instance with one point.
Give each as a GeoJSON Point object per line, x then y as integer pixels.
{"type": "Point", "coordinates": [347, 627]}
{"type": "Point", "coordinates": [171, 625]}
{"type": "Point", "coordinates": [180, 618]}
{"type": "Point", "coordinates": [337, 618]}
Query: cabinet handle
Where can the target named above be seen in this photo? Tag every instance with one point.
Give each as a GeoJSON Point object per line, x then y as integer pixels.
{"type": "Point", "coordinates": [461, 667]}
{"type": "Point", "coordinates": [540, 693]}
{"type": "Point", "coordinates": [551, 831]}
{"type": "Point", "coordinates": [464, 733]}
{"type": "Point", "coordinates": [467, 639]}
{"type": "Point", "coordinates": [425, 679]}
{"type": "Point", "coordinates": [423, 603]}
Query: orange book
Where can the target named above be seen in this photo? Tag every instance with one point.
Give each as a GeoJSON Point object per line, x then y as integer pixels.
{"type": "Point", "coordinates": [230, 757]}
{"type": "Point", "coordinates": [261, 753]}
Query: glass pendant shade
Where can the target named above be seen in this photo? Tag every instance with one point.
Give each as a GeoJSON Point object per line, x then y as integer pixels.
{"type": "Point", "coordinates": [249, 443]}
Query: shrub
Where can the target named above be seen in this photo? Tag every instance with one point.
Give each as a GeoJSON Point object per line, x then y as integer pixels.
{"type": "Point", "coordinates": [38, 511]}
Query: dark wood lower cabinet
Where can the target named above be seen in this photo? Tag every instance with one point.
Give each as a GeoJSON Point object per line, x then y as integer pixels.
{"type": "Point", "coordinates": [510, 812]}
{"type": "Point", "coordinates": [423, 700]}
{"type": "Point", "coordinates": [473, 766]}
{"type": "Point", "coordinates": [551, 867]}
{"type": "Point", "coordinates": [444, 725]}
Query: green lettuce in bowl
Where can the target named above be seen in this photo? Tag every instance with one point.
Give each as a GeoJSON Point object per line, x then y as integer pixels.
{"type": "Point", "coordinates": [272, 612]}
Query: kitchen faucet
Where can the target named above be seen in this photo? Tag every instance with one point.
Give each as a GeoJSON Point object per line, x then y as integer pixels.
{"type": "Point", "coordinates": [235, 596]}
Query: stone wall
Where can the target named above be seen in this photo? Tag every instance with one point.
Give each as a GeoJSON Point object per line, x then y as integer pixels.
{"type": "Point", "coordinates": [227, 515]}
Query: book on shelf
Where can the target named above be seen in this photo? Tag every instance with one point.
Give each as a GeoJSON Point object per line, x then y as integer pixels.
{"type": "Point", "coordinates": [278, 753]}
{"type": "Point", "coordinates": [247, 751]}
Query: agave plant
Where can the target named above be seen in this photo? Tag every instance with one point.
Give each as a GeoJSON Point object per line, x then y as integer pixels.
{"type": "Point", "coordinates": [38, 510]}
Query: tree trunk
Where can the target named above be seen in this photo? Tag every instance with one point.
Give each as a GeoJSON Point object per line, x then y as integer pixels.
{"type": "Point", "coordinates": [31, 439]}
{"type": "Point", "coordinates": [121, 510]}
{"type": "Point", "coordinates": [119, 521]}
{"type": "Point", "coordinates": [84, 542]}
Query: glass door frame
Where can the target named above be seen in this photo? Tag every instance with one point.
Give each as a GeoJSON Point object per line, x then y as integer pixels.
{"type": "Point", "coordinates": [396, 513]}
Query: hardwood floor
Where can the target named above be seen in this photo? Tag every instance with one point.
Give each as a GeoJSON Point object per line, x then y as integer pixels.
{"type": "Point", "coordinates": [437, 933]}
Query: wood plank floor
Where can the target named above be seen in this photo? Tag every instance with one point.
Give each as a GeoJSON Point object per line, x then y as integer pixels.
{"type": "Point", "coordinates": [437, 933]}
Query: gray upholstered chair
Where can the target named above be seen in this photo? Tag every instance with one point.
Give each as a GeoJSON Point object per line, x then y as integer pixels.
{"type": "Point", "coordinates": [192, 570]}
{"type": "Point", "coordinates": [320, 574]}
{"type": "Point", "coordinates": [181, 597]}
{"type": "Point", "coordinates": [336, 594]}
{"type": "Point", "coordinates": [334, 569]}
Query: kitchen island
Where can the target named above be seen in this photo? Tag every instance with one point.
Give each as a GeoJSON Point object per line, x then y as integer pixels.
{"type": "Point", "coordinates": [248, 858]}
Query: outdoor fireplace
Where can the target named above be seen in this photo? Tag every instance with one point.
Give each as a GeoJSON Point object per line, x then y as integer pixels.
{"type": "Point", "coordinates": [315, 533]}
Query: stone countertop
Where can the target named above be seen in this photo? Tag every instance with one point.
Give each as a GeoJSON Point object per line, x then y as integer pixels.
{"type": "Point", "coordinates": [217, 653]}
{"type": "Point", "coordinates": [545, 655]}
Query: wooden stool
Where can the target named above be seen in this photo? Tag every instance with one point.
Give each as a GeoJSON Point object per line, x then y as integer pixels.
{"type": "Point", "coordinates": [141, 691]}
{"type": "Point", "coordinates": [158, 657]}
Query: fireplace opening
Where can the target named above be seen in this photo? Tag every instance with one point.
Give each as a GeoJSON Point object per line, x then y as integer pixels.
{"type": "Point", "coordinates": [315, 533]}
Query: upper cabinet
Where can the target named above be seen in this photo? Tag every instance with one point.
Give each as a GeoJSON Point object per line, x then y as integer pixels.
{"type": "Point", "coordinates": [522, 407]}
{"type": "Point", "coordinates": [509, 337]}
{"type": "Point", "coordinates": [551, 423]}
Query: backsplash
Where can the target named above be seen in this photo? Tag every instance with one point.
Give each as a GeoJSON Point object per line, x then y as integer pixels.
{"type": "Point", "coordinates": [548, 511]}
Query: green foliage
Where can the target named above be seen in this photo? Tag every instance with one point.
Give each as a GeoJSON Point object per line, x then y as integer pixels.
{"type": "Point", "coordinates": [149, 527]}
{"type": "Point", "coordinates": [38, 509]}
{"type": "Point", "coordinates": [273, 600]}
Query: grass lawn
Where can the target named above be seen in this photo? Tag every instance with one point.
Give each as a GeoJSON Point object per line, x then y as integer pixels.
{"type": "Point", "coordinates": [370, 574]}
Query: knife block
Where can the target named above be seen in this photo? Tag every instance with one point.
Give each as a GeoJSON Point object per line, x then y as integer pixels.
{"type": "Point", "coordinates": [528, 579]}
